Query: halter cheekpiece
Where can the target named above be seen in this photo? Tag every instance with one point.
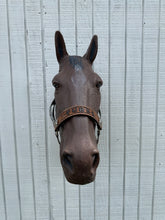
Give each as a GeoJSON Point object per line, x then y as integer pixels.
{"type": "Point", "coordinates": [73, 111]}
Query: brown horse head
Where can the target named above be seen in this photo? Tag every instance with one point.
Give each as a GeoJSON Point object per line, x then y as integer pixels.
{"type": "Point", "coordinates": [77, 90]}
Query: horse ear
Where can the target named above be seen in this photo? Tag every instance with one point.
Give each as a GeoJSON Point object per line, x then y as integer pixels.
{"type": "Point", "coordinates": [60, 46]}
{"type": "Point", "coordinates": [92, 50]}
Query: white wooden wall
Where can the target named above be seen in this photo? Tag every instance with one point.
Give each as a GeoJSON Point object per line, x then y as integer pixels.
{"type": "Point", "coordinates": [130, 183]}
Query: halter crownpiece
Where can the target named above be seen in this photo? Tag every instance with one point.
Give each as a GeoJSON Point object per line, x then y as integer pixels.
{"type": "Point", "coordinates": [73, 111]}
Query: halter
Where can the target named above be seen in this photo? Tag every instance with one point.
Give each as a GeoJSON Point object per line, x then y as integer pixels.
{"type": "Point", "coordinates": [73, 111]}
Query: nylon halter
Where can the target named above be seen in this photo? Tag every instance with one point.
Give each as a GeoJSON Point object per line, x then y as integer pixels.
{"type": "Point", "coordinates": [74, 111]}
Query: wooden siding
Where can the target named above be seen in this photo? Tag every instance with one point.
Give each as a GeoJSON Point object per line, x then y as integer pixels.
{"type": "Point", "coordinates": [130, 182]}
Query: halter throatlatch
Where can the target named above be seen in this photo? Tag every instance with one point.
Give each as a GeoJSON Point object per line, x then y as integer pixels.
{"type": "Point", "coordinates": [73, 111]}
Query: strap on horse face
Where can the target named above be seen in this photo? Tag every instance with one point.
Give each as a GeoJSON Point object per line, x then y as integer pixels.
{"type": "Point", "coordinates": [73, 111]}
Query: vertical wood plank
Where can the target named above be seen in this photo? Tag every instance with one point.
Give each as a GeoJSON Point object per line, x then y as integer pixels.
{"type": "Point", "coordinates": [67, 27]}
{"type": "Point", "coordinates": [8, 143]}
{"type": "Point", "coordinates": [51, 24]}
{"type": "Point", "coordinates": [84, 31]}
{"type": "Point", "coordinates": [159, 189]}
{"type": "Point", "coordinates": [33, 10]}
{"type": "Point", "coordinates": [148, 126]}
{"type": "Point", "coordinates": [21, 114]}
{"type": "Point", "coordinates": [132, 106]}
{"type": "Point", "coordinates": [2, 189]}
{"type": "Point", "coordinates": [117, 68]}
{"type": "Point", "coordinates": [101, 28]}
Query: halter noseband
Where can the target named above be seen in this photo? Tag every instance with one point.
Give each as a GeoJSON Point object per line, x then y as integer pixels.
{"type": "Point", "coordinates": [72, 112]}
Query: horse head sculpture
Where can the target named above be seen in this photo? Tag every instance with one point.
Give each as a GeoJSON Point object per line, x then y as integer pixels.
{"type": "Point", "coordinates": [75, 112]}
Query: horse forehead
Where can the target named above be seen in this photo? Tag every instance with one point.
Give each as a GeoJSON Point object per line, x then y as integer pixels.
{"type": "Point", "coordinates": [78, 79]}
{"type": "Point", "coordinates": [76, 62]}
{"type": "Point", "coordinates": [79, 71]}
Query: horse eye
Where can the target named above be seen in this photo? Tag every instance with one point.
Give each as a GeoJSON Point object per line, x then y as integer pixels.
{"type": "Point", "coordinates": [56, 85]}
{"type": "Point", "coordinates": [99, 84]}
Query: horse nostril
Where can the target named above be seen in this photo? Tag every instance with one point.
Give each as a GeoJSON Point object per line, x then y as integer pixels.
{"type": "Point", "coordinates": [67, 160]}
{"type": "Point", "coordinates": [95, 157]}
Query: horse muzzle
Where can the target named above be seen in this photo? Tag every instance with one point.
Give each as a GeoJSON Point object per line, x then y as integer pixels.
{"type": "Point", "coordinates": [80, 168]}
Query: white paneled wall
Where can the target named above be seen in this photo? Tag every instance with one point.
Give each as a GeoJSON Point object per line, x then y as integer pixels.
{"type": "Point", "coordinates": [130, 182]}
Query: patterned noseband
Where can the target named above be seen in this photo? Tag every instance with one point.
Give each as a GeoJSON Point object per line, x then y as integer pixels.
{"type": "Point", "coordinates": [72, 112]}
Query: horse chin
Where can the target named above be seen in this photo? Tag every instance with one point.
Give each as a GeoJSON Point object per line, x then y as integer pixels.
{"type": "Point", "coordinates": [80, 180]}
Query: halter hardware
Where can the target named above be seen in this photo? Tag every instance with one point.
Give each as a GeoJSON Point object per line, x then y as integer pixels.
{"type": "Point", "coordinates": [73, 111]}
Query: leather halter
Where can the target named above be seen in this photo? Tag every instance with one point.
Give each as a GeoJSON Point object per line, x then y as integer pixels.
{"type": "Point", "coordinates": [72, 112]}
